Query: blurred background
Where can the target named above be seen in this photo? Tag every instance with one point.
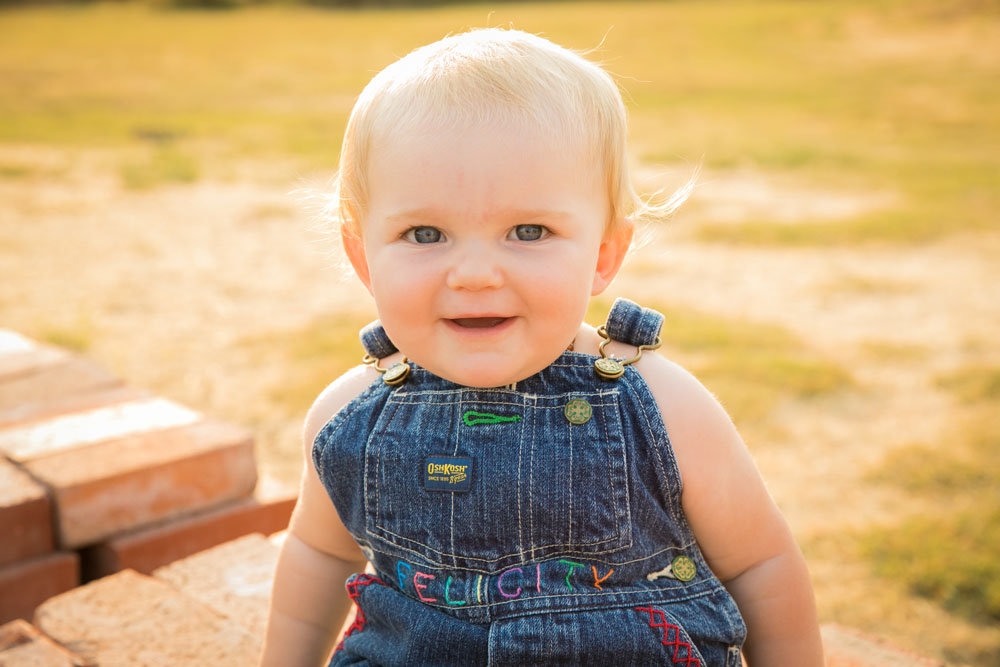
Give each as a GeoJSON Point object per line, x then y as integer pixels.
{"type": "Point", "coordinates": [833, 278]}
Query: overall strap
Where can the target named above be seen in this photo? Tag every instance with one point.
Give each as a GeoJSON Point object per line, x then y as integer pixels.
{"type": "Point", "coordinates": [375, 341]}
{"type": "Point", "coordinates": [630, 323]}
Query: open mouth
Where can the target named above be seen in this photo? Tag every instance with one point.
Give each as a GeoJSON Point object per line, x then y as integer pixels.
{"type": "Point", "coordinates": [479, 322]}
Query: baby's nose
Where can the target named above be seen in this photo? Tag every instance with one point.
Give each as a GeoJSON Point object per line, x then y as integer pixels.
{"type": "Point", "coordinates": [475, 267]}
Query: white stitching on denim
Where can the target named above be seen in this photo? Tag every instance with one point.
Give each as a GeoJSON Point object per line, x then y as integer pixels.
{"type": "Point", "coordinates": [462, 402]}
{"type": "Point", "coordinates": [569, 538]}
{"type": "Point", "coordinates": [451, 521]}
{"type": "Point", "coordinates": [567, 547]}
{"type": "Point", "coordinates": [520, 450]}
{"type": "Point", "coordinates": [656, 452]}
{"type": "Point", "coordinates": [531, 486]}
{"type": "Point", "coordinates": [369, 515]}
{"type": "Point", "coordinates": [579, 554]}
{"type": "Point", "coordinates": [400, 394]}
{"type": "Point", "coordinates": [611, 481]}
{"type": "Point", "coordinates": [626, 593]}
{"type": "Point", "coordinates": [380, 531]}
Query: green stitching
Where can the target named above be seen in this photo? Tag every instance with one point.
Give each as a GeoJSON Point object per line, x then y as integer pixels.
{"type": "Point", "coordinates": [572, 566]}
{"type": "Point", "coordinates": [471, 418]}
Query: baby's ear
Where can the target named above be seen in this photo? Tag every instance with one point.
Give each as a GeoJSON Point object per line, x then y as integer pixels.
{"type": "Point", "coordinates": [354, 246]}
{"type": "Point", "coordinates": [614, 247]}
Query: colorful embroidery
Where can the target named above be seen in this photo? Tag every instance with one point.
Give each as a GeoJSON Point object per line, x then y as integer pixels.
{"type": "Point", "coordinates": [354, 593]}
{"type": "Point", "coordinates": [572, 566]}
{"type": "Point", "coordinates": [421, 586]}
{"type": "Point", "coordinates": [399, 572]}
{"type": "Point", "coordinates": [511, 584]}
{"type": "Point", "coordinates": [500, 583]}
{"type": "Point", "coordinates": [657, 619]}
{"type": "Point", "coordinates": [597, 582]}
{"type": "Point", "coordinates": [447, 587]}
{"type": "Point", "coordinates": [471, 418]}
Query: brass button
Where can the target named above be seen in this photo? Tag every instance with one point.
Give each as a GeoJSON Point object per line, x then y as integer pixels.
{"type": "Point", "coordinates": [609, 368]}
{"type": "Point", "coordinates": [396, 374]}
{"type": "Point", "coordinates": [578, 411]}
{"type": "Point", "coordinates": [683, 568]}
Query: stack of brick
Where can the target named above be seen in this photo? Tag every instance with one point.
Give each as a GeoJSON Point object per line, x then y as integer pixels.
{"type": "Point", "coordinates": [208, 610]}
{"type": "Point", "coordinates": [96, 476]}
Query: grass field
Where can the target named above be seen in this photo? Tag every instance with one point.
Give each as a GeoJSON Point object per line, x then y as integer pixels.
{"type": "Point", "coordinates": [832, 279]}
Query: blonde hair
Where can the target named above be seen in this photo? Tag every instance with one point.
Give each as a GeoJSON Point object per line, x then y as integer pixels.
{"type": "Point", "coordinates": [492, 75]}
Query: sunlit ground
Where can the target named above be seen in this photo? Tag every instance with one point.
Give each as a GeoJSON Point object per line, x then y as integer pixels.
{"type": "Point", "coordinates": [832, 278]}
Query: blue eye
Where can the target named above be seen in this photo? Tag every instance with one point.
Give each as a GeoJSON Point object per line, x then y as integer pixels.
{"type": "Point", "coordinates": [424, 234]}
{"type": "Point", "coordinates": [529, 232]}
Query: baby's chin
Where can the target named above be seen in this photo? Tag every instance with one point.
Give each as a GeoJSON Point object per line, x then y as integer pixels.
{"type": "Point", "coordinates": [484, 374]}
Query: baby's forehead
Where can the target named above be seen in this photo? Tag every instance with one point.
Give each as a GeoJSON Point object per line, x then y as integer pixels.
{"type": "Point", "coordinates": [514, 130]}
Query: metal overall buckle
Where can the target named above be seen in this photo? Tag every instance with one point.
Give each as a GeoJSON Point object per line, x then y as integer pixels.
{"type": "Point", "coordinates": [392, 376]}
{"type": "Point", "coordinates": [609, 368]}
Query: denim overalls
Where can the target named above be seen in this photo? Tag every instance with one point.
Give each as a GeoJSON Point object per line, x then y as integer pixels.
{"type": "Point", "coordinates": [533, 524]}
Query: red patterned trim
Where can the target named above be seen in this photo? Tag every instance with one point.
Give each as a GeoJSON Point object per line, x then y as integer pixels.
{"type": "Point", "coordinates": [354, 593]}
{"type": "Point", "coordinates": [657, 619]}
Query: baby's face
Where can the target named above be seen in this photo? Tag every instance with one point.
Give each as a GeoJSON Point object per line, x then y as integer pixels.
{"type": "Point", "coordinates": [482, 249]}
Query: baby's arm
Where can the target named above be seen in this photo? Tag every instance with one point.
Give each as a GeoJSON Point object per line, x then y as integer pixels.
{"type": "Point", "coordinates": [308, 601]}
{"type": "Point", "coordinates": [739, 529]}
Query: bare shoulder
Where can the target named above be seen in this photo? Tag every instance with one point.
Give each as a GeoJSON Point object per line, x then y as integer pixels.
{"type": "Point", "coordinates": [699, 428]}
{"type": "Point", "coordinates": [727, 505]}
{"type": "Point", "coordinates": [315, 520]}
{"type": "Point", "coordinates": [694, 418]}
{"type": "Point", "coordinates": [335, 396]}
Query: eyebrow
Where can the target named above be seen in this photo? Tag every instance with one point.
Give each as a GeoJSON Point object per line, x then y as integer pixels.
{"type": "Point", "coordinates": [432, 214]}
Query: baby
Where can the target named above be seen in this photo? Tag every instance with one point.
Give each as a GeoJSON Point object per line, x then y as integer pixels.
{"type": "Point", "coordinates": [514, 482]}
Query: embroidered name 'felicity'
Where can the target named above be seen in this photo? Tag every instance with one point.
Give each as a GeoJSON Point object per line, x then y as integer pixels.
{"type": "Point", "coordinates": [512, 583]}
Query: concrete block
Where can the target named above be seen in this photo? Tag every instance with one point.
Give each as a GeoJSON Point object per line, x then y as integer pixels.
{"type": "Point", "coordinates": [74, 375]}
{"type": "Point", "coordinates": [233, 579]}
{"type": "Point", "coordinates": [146, 549]}
{"type": "Point", "coordinates": [118, 485]}
{"type": "Point", "coordinates": [130, 619]}
{"type": "Point", "coordinates": [28, 583]}
{"type": "Point", "coordinates": [22, 645]}
{"type": "Point", "coordinates": [846, 647]}
{"type": "Point", "coordinates": [25, 515]}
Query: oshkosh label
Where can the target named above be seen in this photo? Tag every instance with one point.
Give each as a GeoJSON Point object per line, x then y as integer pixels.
{"type": "Point", "coordinates": [448, 473]}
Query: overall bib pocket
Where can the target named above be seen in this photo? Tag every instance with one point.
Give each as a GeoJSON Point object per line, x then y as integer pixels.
{"type": "Point", "coordinates": [486, 479]}
{"type": "Point", "coordinates": [624, 637]}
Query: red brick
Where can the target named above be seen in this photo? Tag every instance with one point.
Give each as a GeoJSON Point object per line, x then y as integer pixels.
{"type": "Point", "coordinates": [37, 439]}
{"type": "Point", "coordinates": [846, 647]}
{"type": "Point", "coordinates": [233, 579]}
{"type": "Point", "coordinates": [25, 515]}
{"type": "Point", "coordinates": [28, 583]}
{"type": "Point", "coordinates": [73, 376]}
{"type": "Point", "coordinates": [52, 407]}
{"type": "Point", "coordinates": [22, 645]}
{"type": "Point", "coordinates": [146, 549]}
{"type": "Point", "coordinates": [131, 619]}
{"type": "Point", "coordinates": [28, 360]}
{"type": "Point", "coordinates": [114, 486]}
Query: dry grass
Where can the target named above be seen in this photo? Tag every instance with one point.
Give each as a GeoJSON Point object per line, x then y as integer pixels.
{"type": "Point", "coordinates": [830, 282]}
